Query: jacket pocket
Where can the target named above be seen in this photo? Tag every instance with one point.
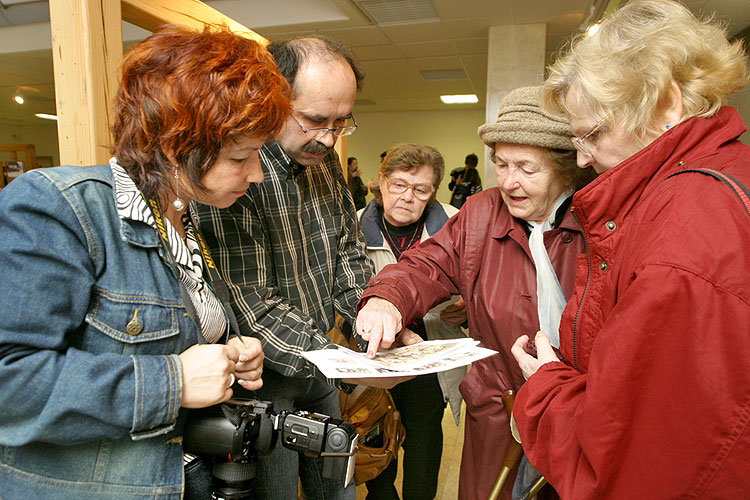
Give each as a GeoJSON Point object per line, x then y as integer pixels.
{"type": "Point", "coordinates": [134, 318]}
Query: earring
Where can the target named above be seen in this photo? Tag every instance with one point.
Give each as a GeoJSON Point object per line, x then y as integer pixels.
{"type": "Point", "coordinates": [178, 204]}
{"type": "Point", "coordinates": [668, 126]}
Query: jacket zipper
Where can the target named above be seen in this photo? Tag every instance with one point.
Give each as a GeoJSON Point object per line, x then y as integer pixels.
{"type": "Point", "coordinates": [585, 287]}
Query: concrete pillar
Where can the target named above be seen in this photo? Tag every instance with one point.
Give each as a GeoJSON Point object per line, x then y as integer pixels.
{"type": "Point", "coordinates": [515, 58]}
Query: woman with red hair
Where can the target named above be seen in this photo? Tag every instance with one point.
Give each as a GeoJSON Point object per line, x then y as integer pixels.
{"type": "Point", "coordinates": [113, 324]}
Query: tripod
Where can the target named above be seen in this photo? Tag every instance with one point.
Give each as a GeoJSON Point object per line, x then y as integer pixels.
{"type": "Point", "coordinates": [512, 457]}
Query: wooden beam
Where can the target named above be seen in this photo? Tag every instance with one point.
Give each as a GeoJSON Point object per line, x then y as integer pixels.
{"type": "Point", "coordinates": [150, 14]}
{"type": "Point", "coordinates": [86, 53]}
{"type": "Point", "coordinates": [342, 148]}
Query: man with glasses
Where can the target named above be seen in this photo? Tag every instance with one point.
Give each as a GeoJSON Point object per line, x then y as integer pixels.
{"type": "Point", "coordinates": [292, 254]}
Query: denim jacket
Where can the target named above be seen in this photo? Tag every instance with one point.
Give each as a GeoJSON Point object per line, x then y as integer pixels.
{"type": "Point", "coordinates": [90, 380]}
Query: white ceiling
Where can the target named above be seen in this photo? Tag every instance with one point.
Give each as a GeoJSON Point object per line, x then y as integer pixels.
{"type": "Point", "coordinates": [394, 55]}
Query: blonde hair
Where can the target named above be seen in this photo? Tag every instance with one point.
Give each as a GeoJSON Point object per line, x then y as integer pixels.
{"type": "Point", "coordinates": [623, 74]}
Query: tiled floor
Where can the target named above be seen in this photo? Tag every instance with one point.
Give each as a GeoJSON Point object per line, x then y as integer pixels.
{"type": "Point", "coordinates": [453, 440]}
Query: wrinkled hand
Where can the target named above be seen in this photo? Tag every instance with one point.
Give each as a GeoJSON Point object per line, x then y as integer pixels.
{"type": "Point", "coordinates": [378, 322]}
{"type": "Point", "coordinates": [407, 337]}
{"type": "Point", "coordinates": [454, 314]}
{"type": "Point", "coordinates": [249, 368]}
{"type": "Point", "coordinates": [207, 374]}
{"type": "Point", "coordinates": [528, 362]}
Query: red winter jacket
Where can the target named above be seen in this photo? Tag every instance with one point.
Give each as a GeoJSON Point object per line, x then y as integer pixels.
{"type": "Point", "coordinates": [658, 330]}
{"type": "Point", "coordinates": [482, 253]}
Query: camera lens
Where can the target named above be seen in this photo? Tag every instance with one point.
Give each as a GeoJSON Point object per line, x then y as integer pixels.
{"type": "Point", "coordinates": [233, 480]}
{"type": "Point", "coordinates": [338, 438]}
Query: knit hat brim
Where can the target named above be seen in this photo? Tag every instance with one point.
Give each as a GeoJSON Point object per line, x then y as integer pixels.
{"type": "Point", "coordinates": [521, 121]}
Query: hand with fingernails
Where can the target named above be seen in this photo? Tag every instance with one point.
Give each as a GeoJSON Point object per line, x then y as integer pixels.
{"type": "Point", "coordinates": [210, 370]}
{"type": "Point", "coordinates": [206, 371]}
{"type": "Point", "coordinates": [249, 367]}
{"type": "Point", "coordinates": [379, 322]}
{"type": "Point", "coordinates": [455, 314]}
{"type": "Point", "coordinates": [529, 363]}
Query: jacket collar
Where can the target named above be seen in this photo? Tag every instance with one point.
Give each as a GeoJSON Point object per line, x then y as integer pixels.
{"type": "Point", "coordinates": [507, 223]}
{"type": "Point", "coordinates": [137, 225]}
{"type": "Point", "coordinates": [368, 221]}
{"type": "Point", "coordinates": [615, 191]}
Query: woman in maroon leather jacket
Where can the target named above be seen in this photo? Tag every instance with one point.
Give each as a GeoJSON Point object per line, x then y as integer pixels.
{"type": "Point", "coordinates": [483, 254]}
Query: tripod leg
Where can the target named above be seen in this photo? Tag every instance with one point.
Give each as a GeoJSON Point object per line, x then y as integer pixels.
{"type": "Point", "coordinates": [512, 455]}
{"type": "Point", "coordinates": [538, 485]}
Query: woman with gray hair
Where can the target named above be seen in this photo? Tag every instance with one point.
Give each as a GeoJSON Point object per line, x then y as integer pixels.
{"type": "Point", "coordinates": [653, 399]}
{"type": "Point", "coordinates": [403, 215]}
{"type": "Point", "coordinates": [510, 253]}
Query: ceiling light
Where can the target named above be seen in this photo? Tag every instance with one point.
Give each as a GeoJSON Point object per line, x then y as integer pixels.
{"type": "Point", "coordinates": [18, 99]}
{"type": "Point", "coordinates": [45, 116]}
{"type": "Point", "coordinates": [459, 98]}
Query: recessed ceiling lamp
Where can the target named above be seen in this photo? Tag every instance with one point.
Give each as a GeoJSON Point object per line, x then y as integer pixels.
{"type": "Point", "coordinates": [45, 116]}
{"type": "Point", "coordinates": [459, 99]}
{"type": "Point", "coordinates": [18, 99]}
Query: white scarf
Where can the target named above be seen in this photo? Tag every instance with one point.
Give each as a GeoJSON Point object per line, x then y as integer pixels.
{"type": "Point", "coordinates": [550, 298]}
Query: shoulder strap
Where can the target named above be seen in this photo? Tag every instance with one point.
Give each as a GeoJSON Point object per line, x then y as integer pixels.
{"type": "Point", "coordinates": [737, 188]}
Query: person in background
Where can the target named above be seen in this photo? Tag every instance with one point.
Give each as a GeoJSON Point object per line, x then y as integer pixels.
{"type": "Point", "coordinates": [652, 400]}
{"type": "Point", "coordinates": [292, 254]}
{"type": "Point", "coordinates": [510, 253]}
{"type": "Point", "coordinates": [356, 186]}
{"type": "Point", "coordinates": [112, 326]}
{"type": "Point", "coordinates": [402, 215]}
{"type": "Point", "coordinates": [465, 181]}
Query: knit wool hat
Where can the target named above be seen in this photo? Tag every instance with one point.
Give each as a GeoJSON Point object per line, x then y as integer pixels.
{"type": "Point", "coordinates": [522, 121]}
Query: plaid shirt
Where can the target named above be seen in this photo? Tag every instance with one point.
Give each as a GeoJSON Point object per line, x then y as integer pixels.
{"type": "Point", "coordinates": [292, 254]}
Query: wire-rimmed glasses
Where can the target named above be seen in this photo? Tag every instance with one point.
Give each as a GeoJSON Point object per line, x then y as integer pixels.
{"type": "Point", "coordinates": [321, 131]}
{"type": "Point", "coordinates": [397, 185]}
{"type": "Point", "coordinates": [578, 142]}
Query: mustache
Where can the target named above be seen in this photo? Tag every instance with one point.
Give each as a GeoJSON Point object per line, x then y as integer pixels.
{"type": "Point", "coordinates": [316, 148]}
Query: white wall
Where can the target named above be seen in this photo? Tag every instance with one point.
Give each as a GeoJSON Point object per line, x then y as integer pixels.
{"type": "Point", "coordinates": [453, 133]}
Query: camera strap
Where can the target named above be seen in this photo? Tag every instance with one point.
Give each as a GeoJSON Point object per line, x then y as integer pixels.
{"type": "Point", "coordinates": [212, 277]}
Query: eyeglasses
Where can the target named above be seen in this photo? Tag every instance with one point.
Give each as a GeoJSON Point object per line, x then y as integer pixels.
{"type": "Point", "coordinates": [396, 185]}
{"type": "Point", "coordinates": [321, 131]}
{"type": "Point", "coordinates": [578, 142]}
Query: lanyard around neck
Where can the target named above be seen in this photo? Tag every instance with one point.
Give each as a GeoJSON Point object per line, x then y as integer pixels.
{"type": "Point", "coordinates": [215, 282]}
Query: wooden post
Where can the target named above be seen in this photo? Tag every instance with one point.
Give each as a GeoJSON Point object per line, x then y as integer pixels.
{"type": "Point", "coordinates": [150, 14]}
{"type": "Point", "coordinates": [86, 52]}
{"type": "Point", "coordinates": [342, 149]}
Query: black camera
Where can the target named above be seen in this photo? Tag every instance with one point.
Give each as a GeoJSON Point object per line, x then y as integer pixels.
{"type": "Point", "coordinates": [237, 432]}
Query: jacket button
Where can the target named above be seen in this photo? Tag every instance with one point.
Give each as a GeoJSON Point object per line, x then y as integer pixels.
{"type": "Point", "coordinates": [566, 238]}
{"type": "Point", "coordinates": [603, 266]}
{"type": "Point", "coordinates": [610, 225]}
{"type": "Point", "coordinates": [134, 327]}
